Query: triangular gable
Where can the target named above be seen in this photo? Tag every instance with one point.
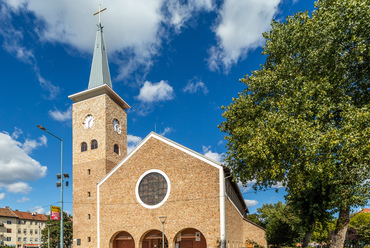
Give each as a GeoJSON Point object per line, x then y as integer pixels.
{"type": "Point", "coordinates": [168, 142]}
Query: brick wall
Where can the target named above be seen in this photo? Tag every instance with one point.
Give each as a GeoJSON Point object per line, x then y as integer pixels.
{"type": "Point", "coordinates": [98, 161]}
{"type": "Point", "coordinates": [238, 230]}
{"type": "Point", "coordinates": [193, 201]}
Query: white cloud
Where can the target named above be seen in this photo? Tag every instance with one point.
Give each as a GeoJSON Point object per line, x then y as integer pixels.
{"type": "Point", "coordinates": [239, 30]}
{"type": "Point", "coordinates": [193, 87]}
{"type": "Point", "coordinates": [17, 166]}
{"type": "Point", "coordinates": [180, 13]}
{"type": "Point", "coordinates": [251, 203]}
{"type": "Point", "coordinates": [2, 196]}
{"type": "Point", "coordinates": [155, 92]}
{"type": "Point", "coordinates": [246, 188]}
{"type": "Point", "coordinates": [17, 132]}
{"type": "Point", "coordinates": [278, 185]}
{"type": "Point", "coordinates": [132, 142]}
{"type": "Point", "coordinates": [23, 199]}
{"type": "Point", "coordinates": [220, 142]}
{"type": "Point", "coordinates": [38, 209]}
{"type": "Point", "coordinates": [250, 184]}
{"type": "Point", "coordinates": [134, 28]}
{"type": "Point", "coordinates": [19, 187]}
{"type": "Point", "coordinates": [13, 39]}
{"type": "Point", "coordinates": [166, 131]}
{"type": "Point", "coordinates": [212, 155]}
{"type": "Point", "coordinates": [59, 115]}
{"type": "Point", "coordinates": [47, 85]}
{"type": "Point", "coordinates": [30, 145]}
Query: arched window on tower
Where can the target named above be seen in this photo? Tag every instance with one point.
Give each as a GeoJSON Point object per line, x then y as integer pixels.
{"type": "Point", "coordinates": [83, 147]}
{"type": "Point", "coordinates": [116, 149]}
{"type": "Point", "coordinates": [94, 144]}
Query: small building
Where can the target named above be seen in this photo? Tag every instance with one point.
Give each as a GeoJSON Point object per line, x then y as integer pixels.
{"type": "Point", "coordinates": [125, 200]}
{"type": "Point", "coordinates": [20, 229]}
{"type": "Point", "coordinates": [365, 210]}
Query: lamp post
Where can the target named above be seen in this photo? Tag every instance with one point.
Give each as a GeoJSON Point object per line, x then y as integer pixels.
{"type": "Point", "coordinates": [48, 226]}
{"type": "Point", "coordinates": [61, 182]}
{"type": "Point", "coordinates": [39, 236]}
{"type": "Point", "coordinates": [163, 220]}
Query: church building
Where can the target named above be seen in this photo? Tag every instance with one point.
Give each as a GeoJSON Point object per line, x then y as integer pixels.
{"type": "Point", "coordinates": [125, 200]}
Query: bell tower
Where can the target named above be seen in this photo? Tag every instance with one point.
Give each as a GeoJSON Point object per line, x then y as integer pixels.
{"type": "Point", "coordinates": [99, 141]}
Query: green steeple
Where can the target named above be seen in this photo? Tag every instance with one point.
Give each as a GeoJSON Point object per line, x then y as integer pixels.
{"type": "Point", "coordinates": [99, 74]}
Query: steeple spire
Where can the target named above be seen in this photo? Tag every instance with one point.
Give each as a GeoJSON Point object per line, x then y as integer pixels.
{"type": "Point", "coordinates": [99, 74]}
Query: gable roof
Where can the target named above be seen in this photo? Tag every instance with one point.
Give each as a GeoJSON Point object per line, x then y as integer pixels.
{"type": "Point", "coordinates": [365, 210]}
{"type": "Point", "coordinates": [168, 142]}
{"type": "Point", "coordinates": [236, 190]}
{"type": "Point", "coordinates": [7, 212]}
{"type": "Point", "coordinates": [30, 216]}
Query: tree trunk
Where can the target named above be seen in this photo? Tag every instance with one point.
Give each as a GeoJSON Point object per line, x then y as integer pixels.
{"type": "Point", "coordinates": [341, 229]}
{"type": "Point", "coordinates": [307, 237]}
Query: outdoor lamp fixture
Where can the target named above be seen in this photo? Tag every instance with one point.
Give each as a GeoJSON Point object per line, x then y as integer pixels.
{"type": "Point", "coordinates": [163, 220]}
{"type": "Point", "coordinates": [59, 177]}
{"type": "Point", "coordinates": [65, 176]}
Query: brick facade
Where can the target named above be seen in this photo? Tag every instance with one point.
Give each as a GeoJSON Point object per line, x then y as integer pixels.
{"type": "Point", "coordinates": [239, 229]}
{"type": "Point", "coordinates": [104, 187]}
{"type": "Point", "coordinates": [193, 202]}
{"type": "Point", "coordinates": [90, 166]}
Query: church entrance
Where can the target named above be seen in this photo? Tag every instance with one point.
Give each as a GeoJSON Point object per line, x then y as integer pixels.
{"type": "Point", "coordinates": [123, 240]}
{"type": "Point", "coordinates": [190, 238]}
{"type": "Point", "coordinates": [153, 239]}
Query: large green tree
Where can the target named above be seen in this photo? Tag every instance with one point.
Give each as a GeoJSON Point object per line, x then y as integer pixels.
{"type": "Point", "coordinates": [361, 222]}
{"type": "Point", "coordinates": [322, 231]}
{"type": "Point", "coordinates": [304, 116]}
{"type": "Point", "coordinates": [53, 228]}
{"type": "Point", "coordinates": [310, 205]}
{"type": "Point", "coordinates": [281, 224]}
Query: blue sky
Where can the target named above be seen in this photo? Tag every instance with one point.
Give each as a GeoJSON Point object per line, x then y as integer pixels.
{"type": "Point", "coordinates": [174, 62]}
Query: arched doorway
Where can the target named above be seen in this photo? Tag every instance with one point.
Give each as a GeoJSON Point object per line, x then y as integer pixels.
{"type": "Point", "coordinates": [123, 240]}
{"type": "Point", "coordinates": [153, 239]}
{"type": "Point", "coordinates": [190, 238]}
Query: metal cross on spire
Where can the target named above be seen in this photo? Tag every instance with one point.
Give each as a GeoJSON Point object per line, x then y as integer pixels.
{"type": "Point", "coordinates": [100, 10]}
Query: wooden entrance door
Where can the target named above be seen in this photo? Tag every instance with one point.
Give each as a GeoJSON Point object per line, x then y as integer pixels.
{"type": "Point", "coordinates": [186, 244]}
{"type": "Point", "coordinates": [125, 244]}
{"type": "Point", "coordinates": [123, 240]}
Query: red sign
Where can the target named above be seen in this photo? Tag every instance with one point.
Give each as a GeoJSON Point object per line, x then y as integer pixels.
{"type": "Point", "coordinates": [55, 213]}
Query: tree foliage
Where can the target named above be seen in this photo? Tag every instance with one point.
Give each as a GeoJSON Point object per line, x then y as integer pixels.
{"type": "Point", "coordinates": [54, 228]}
{"type": "Point", "coordinates": [282, 226]}
{"type": "Point", "coordinates": [361, 222]}
{"type": "Point", "coordinates": [304, 116]}
{"type": "Point", "coordinates": [255, 218]}
{"type": "Point", "coordinates": [322, 231]}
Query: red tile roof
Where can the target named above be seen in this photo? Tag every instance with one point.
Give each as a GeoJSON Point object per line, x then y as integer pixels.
{"type": "Point", "coordinates": [365, 210]}
{"type": "Point", "coordinates": [7, 212]}
{"type": "Point", "coordinates": [30, 216]}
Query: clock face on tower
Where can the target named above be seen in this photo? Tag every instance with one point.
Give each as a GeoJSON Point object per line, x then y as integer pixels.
{"type": "Point", "coordinates": [89, 121]}
{"type": "Point", "coordinates": [116, 126]}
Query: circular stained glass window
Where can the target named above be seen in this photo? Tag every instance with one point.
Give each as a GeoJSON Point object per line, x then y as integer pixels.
{"type": "Point", "coordinates": [152, 189]}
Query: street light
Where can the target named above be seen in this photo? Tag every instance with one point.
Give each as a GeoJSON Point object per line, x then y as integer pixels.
{"type": "Point", "coordinates": [163, 220]}
{"type": "Point", "coordinates": [39, 235]}
{"type": "Point", "coordinates": [48, 226]}
{"type": "Point", "coordinates": [61, 182]}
